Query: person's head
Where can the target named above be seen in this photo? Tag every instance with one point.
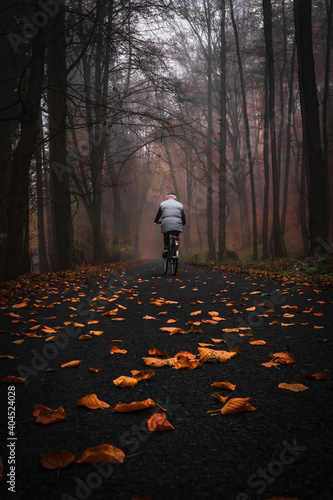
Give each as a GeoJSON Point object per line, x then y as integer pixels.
{"type": "Point", "coordinates": [171, 194]}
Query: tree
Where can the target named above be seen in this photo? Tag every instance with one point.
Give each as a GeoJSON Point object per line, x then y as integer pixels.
{"type": "Point", "coordinates": [17, 255]}
{"type": "Point", "coordinates": [312, 150]}
{"type": "Point", "coordinates": [279, 250]}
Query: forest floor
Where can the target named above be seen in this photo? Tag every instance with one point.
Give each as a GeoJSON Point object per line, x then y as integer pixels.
{"type": "Point", "coordinates": [249, 333]}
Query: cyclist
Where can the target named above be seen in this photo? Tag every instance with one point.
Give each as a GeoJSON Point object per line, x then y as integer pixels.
{"type": "Point", "coordinates": [173, 218]}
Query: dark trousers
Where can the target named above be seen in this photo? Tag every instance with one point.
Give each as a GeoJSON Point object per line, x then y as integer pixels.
{"type": "Point", "coordinates": [166, 237]}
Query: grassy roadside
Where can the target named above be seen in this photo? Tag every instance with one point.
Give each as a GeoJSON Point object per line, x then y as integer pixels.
{"type": "Point", "coordinates": [307, 272]}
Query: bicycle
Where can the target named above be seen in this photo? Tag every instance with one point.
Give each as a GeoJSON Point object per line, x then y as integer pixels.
{"type": "Point", "coordinates": [172, 256]}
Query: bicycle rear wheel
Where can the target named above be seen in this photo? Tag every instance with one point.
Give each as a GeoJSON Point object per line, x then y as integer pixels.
{"type": "Point", "coordinates": [165, 265]}
{"type": "Point", "coordinates": [174, 266]}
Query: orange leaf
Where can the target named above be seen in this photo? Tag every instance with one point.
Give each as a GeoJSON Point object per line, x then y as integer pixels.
{"type": "Point", "coordinates": [257, 342]}
{"type": "Point", "coordinates": [111, 313]}
{"type": "Point", "coordinates": [172, 330]}
{"type": "Point", "coordinates": [102, 453]}
{"type": "Point", "coordinates": [95, 370]}
{"type": "Point", "coordinates": [46, 415]}
{"type": "Point", "coordinates": [285, 358]}
{"type": "Point", "coordinates": [46, 329]}
{"type": "Point", "coordinates": [11, 379]}
{"type": "Point", "coordinates": [117, 319]}
{"type": "Point", "coordinates": [6, 356]}
{"type": "Point", "coordinates": [237, 405]}
{"type": "Point", "coordinates": [223, 384]}
{"type": "Point", "coordinates": [96, 333]}
{"type": "Point", "coordinates": [116, 350]}
{"type": "Point", "coordinates": [195, 313]}
{"type": "Point", "coordinates": [19, 306]}
{"type": "Point", "coordinates": [91, 401]}
{"type": "Point", "coordinates": [185, 362]}
{"type": "Point", "coordinates": [230, 330]}
{"type": "Point", "coordinates": [214, 355]}
{"type": "Point", "coordinates": [18, 341]}
{"type": "Point", "coordinates": [159, 422]}
{"type": "Point", "coordinates": [172, 321]}
{"type": "Point", "coordinates": [72, 364]}
{"type": "Point", "coordinates": [56, 459]}
{"type": "Point", "coordinates": [213, 313]}
{"type": "Point", "coordinates": [85, 337]}
{"type": "Point", "coordinates": [293, 387]}
{"type": "Point", "coordinates": [136, 405]}
{"type": "Point", "coordinates": [218, 341]}
{"type": "Point", "coordinates": [160, 362]}
{"type": "Point", "coordinates": [220, 398]}
{"type": "Point", "coordinates": [142, 374]}
{"type": "Point", "coordinates": [50, 339]}
{"type": "Point", "coordinates": [93, 322]}
{"type": "Point", "coordinates": [124, 381]}
{"type": "Point", "coordinates": [148, 317]}
{"type": "Point", "coordinates": [156, 352]}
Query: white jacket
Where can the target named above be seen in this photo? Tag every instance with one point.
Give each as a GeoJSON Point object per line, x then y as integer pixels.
{"type": "Point", "coordinates": [173, 216]}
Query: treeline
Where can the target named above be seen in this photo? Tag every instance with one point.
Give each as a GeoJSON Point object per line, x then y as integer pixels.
{"type": "Point", "coordinates": [106, 104]}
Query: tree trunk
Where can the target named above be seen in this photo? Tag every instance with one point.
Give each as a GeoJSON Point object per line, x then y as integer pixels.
{"type": "Point", "coordinates": [248, 139]}
{"type": "Point", "coordinates": [17, 253]}
{"type": "Point", "coordinates": [223, 140]}
{"type": "Point", "coordinates": [210, 231]}
{"type": "Point", "coordinates": [279, 250]}
{"type": "Point", "coordinates": [288, 141]}
{"type": "Point", "coordinates": [42, 256]}
{"type": "Point", "coordinates": [265, 245]}
{"type": "Point", "coordinates": [316, 174]}
{"type": "Point", "coordinates": [57, 92]}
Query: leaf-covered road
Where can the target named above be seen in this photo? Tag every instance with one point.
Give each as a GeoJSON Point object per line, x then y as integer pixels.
{"type": "Point", "coordinates": [205, 326]}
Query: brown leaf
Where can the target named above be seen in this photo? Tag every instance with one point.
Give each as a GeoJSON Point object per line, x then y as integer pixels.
{"type": "Point", "coordinates": [317, 376]}
{"type": "Point", "coordinates": [46, 415]}
{"type": "Point", "coordinates": [293, 387]}
{"type": "Point", "coordinates": [159, 362]}
{"type": "Point", "coordinates": [285, 358]}
{"type": "Point", "coordinates": [85, 337]}
{"type": "Point", "coordinates": [159, 422]}
{"type": "Point", "coordinates": [56, 459]}
{"type": "Point", "coordinates": [237, 405]}
{"type": "Point", "coordinates": [91, 401]}
{"type": "Point", "coordinates": [101, 454]}
{"type": "Point", "coordinates": [136, 405]}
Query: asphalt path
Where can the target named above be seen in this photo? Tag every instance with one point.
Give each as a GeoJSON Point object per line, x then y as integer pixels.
{"type": "Point", "coordinates": [283, 448]}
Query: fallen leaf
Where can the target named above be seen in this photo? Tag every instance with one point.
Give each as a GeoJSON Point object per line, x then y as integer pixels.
{"type": "Point", "coordinates": [223, 384]}
{"type": "Point", "coordinates": [257, 342]}
{"type": "Point", "coordinates": [56, 459]}
{"type": "Point", "coordinates": [159, 422]}
{"type": "Point", "coordinates": [91, 401]}
{"type": "Point", "coordinates": [317, 376]}
{"type": "Point", "coordinates": [46, 415]}
{"type": "Point", "coordinates": [195, 313]}
{"type": "Point", "coordinates": [85, 337]}
{"type": "Point", "coordinates": [156, 352]}
{"type": "Point", "coordinates": [237, 405]}
{"type": "Point", "coordinates": [148, 317]}
{"type": "Point", "coordinates": [136, 405]}
{"type": "Point", "coordinates": [124, 381]}
{"type": "Point", "coordinates": [116, 350]}
{"type": "Point", "coordinates": [142, 374]}
{"type": "Point", "coordinates": [101, 454]}
{"type": "Point", "coordinates": [285, 358]}
{"type": "Point", "coordinates": [220, 398]}
{"type": "Point", "coordinates": [72, 364]}
{"type": "Point", "coordinates": [293, 387]}
{"type": "Point", "coordinates": [214, 356]}
{"type": "Point", "coordinates": [11, 379]}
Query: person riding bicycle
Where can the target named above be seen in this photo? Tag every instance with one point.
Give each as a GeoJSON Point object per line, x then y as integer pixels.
{"type": "Point", "coordinates": [173, 218]}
